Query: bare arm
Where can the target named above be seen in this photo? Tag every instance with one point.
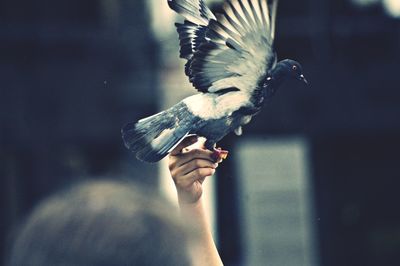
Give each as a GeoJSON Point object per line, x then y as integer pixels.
{"type": "Point", "coordinates": [189, 169]}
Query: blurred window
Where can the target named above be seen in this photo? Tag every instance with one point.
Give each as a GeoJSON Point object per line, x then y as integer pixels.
{"type": "Point", "coordinates": [276, 202]}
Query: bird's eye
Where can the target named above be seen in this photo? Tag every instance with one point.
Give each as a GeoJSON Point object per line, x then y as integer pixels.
{"type": "Point", "coordinates": [294, 68]}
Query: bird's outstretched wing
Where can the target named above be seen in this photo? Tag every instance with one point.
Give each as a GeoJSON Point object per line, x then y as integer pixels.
{"type": "Point", "coordinates": [230, 50]}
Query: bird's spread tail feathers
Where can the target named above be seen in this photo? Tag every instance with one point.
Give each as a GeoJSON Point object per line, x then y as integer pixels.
{"type": "Point", "coordinates": [152, 138]}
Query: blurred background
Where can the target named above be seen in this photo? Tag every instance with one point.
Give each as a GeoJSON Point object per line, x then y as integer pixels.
{"type": "Point", "coordinates": [313, 181]}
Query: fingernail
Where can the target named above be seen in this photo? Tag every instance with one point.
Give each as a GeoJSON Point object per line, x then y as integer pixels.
{"type": "Point", "coordinates": [224, 154]}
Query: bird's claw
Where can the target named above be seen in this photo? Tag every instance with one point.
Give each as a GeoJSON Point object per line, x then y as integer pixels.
{"type": "Point", "coordinates": [219, 154]}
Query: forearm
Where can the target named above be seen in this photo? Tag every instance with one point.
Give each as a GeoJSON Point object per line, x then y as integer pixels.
{"type": "Point", "coordinates": [189, 168]}
{"type": "Point", "coordinates": [204, 251]}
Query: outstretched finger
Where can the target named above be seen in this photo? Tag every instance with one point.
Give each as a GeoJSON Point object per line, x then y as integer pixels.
{"type": "Point", "coordinates": [194, 154]}
{"type": "Point", "coordinates": [184, 143]}
{"type": "Point", "coordinates": [196, 164]}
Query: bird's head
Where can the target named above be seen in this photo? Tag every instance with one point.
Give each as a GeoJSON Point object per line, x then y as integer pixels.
{"type": "Point", "coordinates": [284, 69]}
{"type": "Point", "coordinates": [293, 69]}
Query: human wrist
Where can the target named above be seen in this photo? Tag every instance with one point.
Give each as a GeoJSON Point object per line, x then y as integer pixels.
{"type": "Point", "coordinates": [187, 198]}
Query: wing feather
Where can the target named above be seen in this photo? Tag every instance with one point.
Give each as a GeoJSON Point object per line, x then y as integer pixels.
{"type": "Point", "coordinates": [257, 12]}
{"type": "Point", "coordinates": [274, 8]}
{"type": "Point", "coordinates": [230, 15]}
{"type": "Point", "coordinates": [195, 11]}
{"type": "Point", "coordinates": [239, 14]}
{"type": "Point", "coordinates": [265, 11]}
{"type": "Point", "coordinates": [233, 49]}
{"type": "Point", "coordinates": [239, 49]}
{"type": "Point", "coordinates": [192, 31]}
{"type": "Point", "coordinates": [248, 13]}
{"type": "Point", "coordinates": [224, 32]}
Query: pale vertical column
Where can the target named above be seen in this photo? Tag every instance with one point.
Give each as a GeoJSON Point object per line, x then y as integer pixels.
{"type": "Point", "coordinates": [174, 86]}
{"type": "Point", "coordinates": [276, 202]}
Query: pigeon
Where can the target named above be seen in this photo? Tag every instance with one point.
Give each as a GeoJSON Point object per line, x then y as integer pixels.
{"type": "Point", "coordinates": [231, 62]}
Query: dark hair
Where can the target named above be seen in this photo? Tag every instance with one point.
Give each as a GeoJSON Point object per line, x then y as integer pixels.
{"type": "Point", "coordinates": [102, 223]}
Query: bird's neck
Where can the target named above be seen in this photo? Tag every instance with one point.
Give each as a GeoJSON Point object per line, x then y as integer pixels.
{"type": "Point", "coordinates": [273, 80]}
{"type": "Point", "coordinates": [278, 74]}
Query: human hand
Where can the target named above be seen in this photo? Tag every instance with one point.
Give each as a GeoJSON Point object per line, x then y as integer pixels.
{"type": "Point", "coordinates": [189, 169]}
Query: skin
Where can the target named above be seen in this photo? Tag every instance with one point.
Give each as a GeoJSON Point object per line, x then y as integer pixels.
{"type": "Point", "coordinates": [189, 169]}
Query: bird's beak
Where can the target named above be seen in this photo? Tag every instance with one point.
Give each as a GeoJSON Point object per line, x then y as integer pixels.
{"type": "Point", "coordinates": [302, 78]}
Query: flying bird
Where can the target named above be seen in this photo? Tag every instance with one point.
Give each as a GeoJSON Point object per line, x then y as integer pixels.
{"type": "Point", "coordinates": [232, 63]}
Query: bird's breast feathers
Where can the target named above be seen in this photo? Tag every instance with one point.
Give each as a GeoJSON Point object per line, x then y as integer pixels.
{"type": "Point", "coordinates": [214, 106]}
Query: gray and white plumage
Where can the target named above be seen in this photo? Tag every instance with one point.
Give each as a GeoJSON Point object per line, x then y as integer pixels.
{"type": "Point", "coordinates": [231, 62]}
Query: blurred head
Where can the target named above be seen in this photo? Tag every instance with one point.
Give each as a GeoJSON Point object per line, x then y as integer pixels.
{"type": "Point", "coordinates": [101, 223]}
